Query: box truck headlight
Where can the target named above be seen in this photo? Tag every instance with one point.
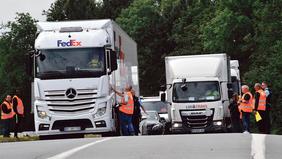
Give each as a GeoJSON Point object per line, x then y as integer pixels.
{"type": "Point", "coordinates": [217, 123]}
{"type": "Point", "coordinates": [41, 113]}
{"type": "Point", "coordinates": [101, 110]}
{"type": "Point", "coordinates": [177, 125]}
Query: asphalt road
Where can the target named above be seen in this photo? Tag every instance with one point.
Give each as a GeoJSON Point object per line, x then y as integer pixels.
{"type": "Point", "coordinates": [200, 146]}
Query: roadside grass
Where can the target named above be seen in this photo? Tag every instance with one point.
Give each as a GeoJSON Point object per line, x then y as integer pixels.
{"type": "Point", "coordinates": [20, 139]}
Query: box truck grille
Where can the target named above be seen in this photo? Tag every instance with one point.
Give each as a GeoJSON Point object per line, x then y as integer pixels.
{"type": "Point", "coordinates": [197, 121]}
{"type": "Point", "coordinates": [83, 101]}
{"type": "Point", "coordinates": [82, 123]}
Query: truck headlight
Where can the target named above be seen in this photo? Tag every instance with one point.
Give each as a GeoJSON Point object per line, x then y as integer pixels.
{"type": "Point", "coordinates": [217, 123]}
{"type": "Point", "coordinates": [101, 111]}
{"type": "Point", "coordinates": [41, 113]}
{"type": "Point", "coordinates": [177, 125]}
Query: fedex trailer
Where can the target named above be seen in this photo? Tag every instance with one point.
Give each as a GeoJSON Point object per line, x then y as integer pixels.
{"type": "Point", "coordinates": [198, 90]}
{"type": "Point", "coordinates": [75, 65]}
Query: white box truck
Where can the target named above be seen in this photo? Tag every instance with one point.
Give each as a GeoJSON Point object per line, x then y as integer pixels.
{"type": "Point", "coordinates": [75, 65]}
{"type": "Point", "coordinates": [198, 90]}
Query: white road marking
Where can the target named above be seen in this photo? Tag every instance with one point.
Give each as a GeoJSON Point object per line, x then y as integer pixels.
{"type": "Point", "coordinates": [258, 146]}
{"type": "Point", "coordinates": [70, 152]}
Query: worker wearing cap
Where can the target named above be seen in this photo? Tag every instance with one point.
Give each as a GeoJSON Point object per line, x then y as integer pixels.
{"type": "Point", "coordinates": [7, 115]}
{"type": "Point", "coordinates": [260, 107]}
{"type": "Point", "coordinates": [126, 110]}
{"type": "Point", "coordinates": [246, 108]}
{"type": "Point", "coordinates": [19, 111]}
{"type": "Point", "coordinates": [268, 94]}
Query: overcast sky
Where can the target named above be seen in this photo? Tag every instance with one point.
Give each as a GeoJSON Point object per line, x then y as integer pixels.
{"type": "Point", "coordinates": [8, 9]}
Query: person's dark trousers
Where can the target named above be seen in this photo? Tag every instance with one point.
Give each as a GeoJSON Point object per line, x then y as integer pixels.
{"type": "Point", "coordinates": [236, 123]}
{"type": "Point", "coordinates": [7, 124]}
{"type": "Point", "coordinates": [136, 123]}
{"type": "Point", "coordinates": [262, 126]}
{"type": "Point", "coordinates": [246, 121]}
{"type": "Point", "coordinates": [18, 125]}
{"type": "Point", "coordinates": [267, 120]}
{"type": "Point", "coordinates": [126, 124]}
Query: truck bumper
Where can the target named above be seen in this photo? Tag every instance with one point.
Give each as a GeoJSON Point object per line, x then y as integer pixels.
{"type": "Point", "coordinates": [179, 128]}
{"type": "Point", "coordinates": [78, 125]}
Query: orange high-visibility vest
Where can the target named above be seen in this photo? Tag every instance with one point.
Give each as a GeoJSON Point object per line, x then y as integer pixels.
{"type": "Point", "coordinates": [128, 107]}
{"type": "Point", "coordinates": [9, 115]}
{"type": "Point", "coordinates": [262, 100]}
{"type": "Point", "coordinates": [20, 106]}
{"type": "Point", "coordinates": [246, 106]}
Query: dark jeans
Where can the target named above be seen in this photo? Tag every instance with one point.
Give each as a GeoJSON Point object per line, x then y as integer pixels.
{"type": "Point", "coordinates": [262, 124]}
{"type": "Point", "coordinates": [136, 123]}
{"type": "Point", "coordinates": [267, 121]}
{"type": "Point", "coordinates": [18, 125]}
{"type": "Point", "coordinates": [126, 124]}
{"type": "Point", "coordinates": [246, 121]}
{"type": "Point", "coordinates": [7, 126]}
{"type": "Point", "coordinates": [236, 123]}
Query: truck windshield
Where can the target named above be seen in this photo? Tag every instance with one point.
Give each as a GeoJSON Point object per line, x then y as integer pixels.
{"type": "Point", "coordinates": [71, 63]}
{"type": "Point", "coordinates": [196, 92]}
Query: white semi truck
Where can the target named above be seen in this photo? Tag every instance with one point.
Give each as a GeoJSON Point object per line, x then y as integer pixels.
{"type": "Point", "coordinates": [75, 65]}
{"type": "Point", "coordinates": [198, 90]}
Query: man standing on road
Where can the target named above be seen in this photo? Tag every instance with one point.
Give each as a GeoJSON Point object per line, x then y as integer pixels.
{"type": "Point", "coordinates": [136, 118]}
{"type": "Point", "coordinates": [235, 114]}
{"type": "Point", "coordinates": [268, 94]}
{"type": "Point", "coordinates": [126, 111]}
{"type": "Point", "coordinates": [7, 115]}
{"type": "Point", "coordinates": [19, 110]}
{"type": "Point", "coordinates": [246, 108]}
{"type": "Point", "coordinates": [260, 107]}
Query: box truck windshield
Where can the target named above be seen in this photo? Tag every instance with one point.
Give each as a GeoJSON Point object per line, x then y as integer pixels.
{"type": "Point", "coordinates": [71, 63]}
{"type": "Point", "coordinates": [196, 92]}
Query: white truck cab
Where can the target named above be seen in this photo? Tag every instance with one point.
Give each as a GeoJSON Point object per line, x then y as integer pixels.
{"type": "Point", "coordinates": [75, 65]}
{"type": "Point", "coordinates": [199, 87]}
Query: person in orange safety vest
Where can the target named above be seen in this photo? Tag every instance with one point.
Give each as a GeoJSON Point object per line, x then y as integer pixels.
{"type": "Point", "coordinates": [260, 107]}
{"type": "Point", "coordinates": [7, 115]}
{"type": "Point", "coordinates": [18, 107]}
{"type": "Point", "coordinates": [246, 108]}
{"type": "Point", "coordinates": [126, 110]}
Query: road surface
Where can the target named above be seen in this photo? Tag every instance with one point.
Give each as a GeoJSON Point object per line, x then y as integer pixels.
{"type": "Point", "coordinates": [199, 146]}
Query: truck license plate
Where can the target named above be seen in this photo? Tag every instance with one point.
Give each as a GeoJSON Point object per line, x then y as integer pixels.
{"type": "Point", "coordinates": [72, 128]}
{"type": "Point", "coordinates": [197, 130]}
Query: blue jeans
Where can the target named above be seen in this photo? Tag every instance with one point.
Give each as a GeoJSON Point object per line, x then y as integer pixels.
{"type": "Point", "coordinates": [126, 124]}
{"type": "Point", "coordinates": [246, 121]}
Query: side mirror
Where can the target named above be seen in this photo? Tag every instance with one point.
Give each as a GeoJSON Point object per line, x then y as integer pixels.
{"type": "Point", "coordinates": [114, 64]}
{"type": "Point", "coordinates": [163, 97]}
{"type": "Point", "coordinates": [163, 88]}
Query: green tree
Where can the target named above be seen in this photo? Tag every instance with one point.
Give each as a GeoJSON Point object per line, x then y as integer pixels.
{"type": "Point", "coordinates": [149, 23]}
{"type": "Point", "coordinates": [15, 46]}
{"type": "Point", "coordinates": [187, 33]}
{"type": "Point", "coordinates": [265, 62]}
{"type": "Point", "coordinates": [231, 30]}
{"type": "Point", "coordinates": [86, 9]}
{"type": "Point", "coordinates": [112, 8]}
{"type": "Point", "coordinates": [73, 10]}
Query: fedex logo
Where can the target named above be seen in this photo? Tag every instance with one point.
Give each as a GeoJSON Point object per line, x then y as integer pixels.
{"type": "Point", "coordinates": [61, 43]}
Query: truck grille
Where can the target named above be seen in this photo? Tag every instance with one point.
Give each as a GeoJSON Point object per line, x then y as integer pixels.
{"type": "Point", "coordinates": [58, 102]}
{"type": "Point", "coordinates": [197, 121]}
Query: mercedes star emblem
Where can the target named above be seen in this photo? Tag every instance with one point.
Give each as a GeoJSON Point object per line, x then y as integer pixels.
{"type": "Point", "coordinates": [71, 93]}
